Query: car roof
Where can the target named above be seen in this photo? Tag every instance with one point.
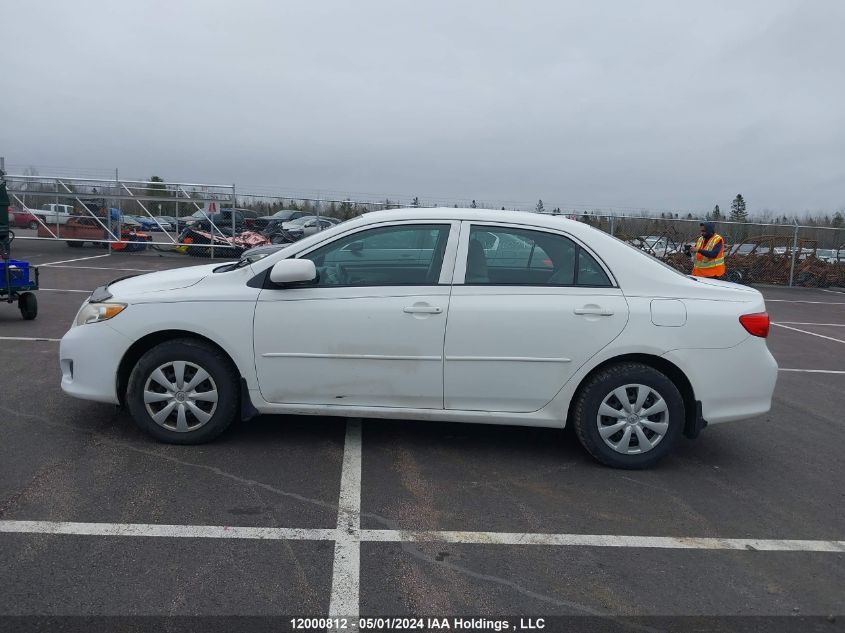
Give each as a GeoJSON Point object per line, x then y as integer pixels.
{"type": "Point", "coordinates": [477, 215]}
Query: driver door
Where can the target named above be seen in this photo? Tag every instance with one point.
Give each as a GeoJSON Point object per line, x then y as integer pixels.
{"type": "Point", "coordinates": [370, 330]}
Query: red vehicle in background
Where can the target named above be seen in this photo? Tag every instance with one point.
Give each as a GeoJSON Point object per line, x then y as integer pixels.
{"type": "Point", "coordinates": [22, 219]}
{"type": "Point", "coordinates": [80, 229]}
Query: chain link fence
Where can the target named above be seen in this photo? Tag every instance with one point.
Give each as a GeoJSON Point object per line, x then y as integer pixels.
{"type": "Point", "coordinates": [756, 253]}
{"type": "Point", "coordinates": [134, 215]}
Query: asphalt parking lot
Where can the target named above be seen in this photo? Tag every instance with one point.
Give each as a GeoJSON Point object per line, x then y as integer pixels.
{"type": "Point", "coordinates": [296, 516]}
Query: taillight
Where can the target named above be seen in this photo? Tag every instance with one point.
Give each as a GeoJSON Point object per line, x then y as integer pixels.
{"type": "Point", "coordinates": [756, 324]}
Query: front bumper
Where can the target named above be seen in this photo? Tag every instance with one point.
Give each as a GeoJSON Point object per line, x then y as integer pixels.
{"type": "Point", "coordinates": [89, 356]}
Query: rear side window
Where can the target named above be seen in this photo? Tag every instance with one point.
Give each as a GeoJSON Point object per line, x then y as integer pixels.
{"type": "Point", "coordinates": [514, 256]}
{"type": "Point", "coordinates": [589, 271]}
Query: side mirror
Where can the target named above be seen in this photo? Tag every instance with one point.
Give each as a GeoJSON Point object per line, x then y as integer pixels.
{"type": "Point", "coordinates": [291, 271]}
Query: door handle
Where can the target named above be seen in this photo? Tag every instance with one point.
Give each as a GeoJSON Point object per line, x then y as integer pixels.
{"type": "Point", "coordinates": [597, 311]}
{"type": "Point", "coordinates": [422, 310]}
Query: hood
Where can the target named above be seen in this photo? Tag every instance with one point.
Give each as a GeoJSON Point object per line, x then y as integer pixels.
{"type": "Point", "coordinates": [164, 280]}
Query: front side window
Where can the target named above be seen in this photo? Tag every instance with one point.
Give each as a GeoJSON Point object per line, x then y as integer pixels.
{"type": "Point", "coordinates": [513, 256]}
{"type": "Point", "coordinates": [387, 256]}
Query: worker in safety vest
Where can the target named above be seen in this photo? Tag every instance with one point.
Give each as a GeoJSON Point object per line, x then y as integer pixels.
{"type": "Point", "coordinates": [709, 253]}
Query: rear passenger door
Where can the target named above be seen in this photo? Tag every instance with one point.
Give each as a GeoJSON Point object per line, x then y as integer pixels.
{"type": "Point", "coordinates": [528, 308]}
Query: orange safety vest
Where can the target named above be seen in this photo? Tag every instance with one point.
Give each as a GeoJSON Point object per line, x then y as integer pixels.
{"type": "Point", "coordinates": [709, 266]}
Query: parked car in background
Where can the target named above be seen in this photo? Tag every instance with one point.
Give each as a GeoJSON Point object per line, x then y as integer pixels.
{"type": "Point", "coordinates": [226, 220]}
{"type": "Point", "coordinates": [23, 219]}
{"type": "Point", "coordinates": [401, 315]}
{"type": "Point", "coordinates": [54, 213]}
{"type": "Point", "coordinates": [829, 255]}
{"type": "Point", "coordinates": [149, 224]}
{"type": "Point", "coordinates": [260, 223]}
{"type": "Point", "coordinates": [169, 222]}
{"type": "Point", "coordinates": [278, 231]}
{"type": "Point", "coordinates": [309, 224]}
{"type": "Point", "coordinates": [80, 229]}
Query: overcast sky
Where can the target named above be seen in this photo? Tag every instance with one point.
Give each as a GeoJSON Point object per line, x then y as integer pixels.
{"type": "Point", "coordinates": [653, 104]}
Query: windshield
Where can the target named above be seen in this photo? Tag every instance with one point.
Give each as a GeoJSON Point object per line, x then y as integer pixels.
{"type": "Point", "coordinates": [300, 221]}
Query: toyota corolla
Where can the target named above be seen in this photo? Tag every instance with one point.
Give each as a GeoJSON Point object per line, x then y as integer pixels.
{"type": "Point", "coordinates": [432, 314]}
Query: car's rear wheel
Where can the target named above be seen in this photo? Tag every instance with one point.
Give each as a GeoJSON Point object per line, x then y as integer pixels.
{"type": "Point", "coordinates": [183, 392]}
{"type": "Point", "coordinates": [629, 416]}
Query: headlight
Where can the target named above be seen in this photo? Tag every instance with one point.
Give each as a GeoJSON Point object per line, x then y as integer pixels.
{"type": "Point", "coordinates": [96, 312]}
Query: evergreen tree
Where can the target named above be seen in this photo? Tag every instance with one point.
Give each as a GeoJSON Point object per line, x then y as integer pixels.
{"type": "Point", "coordinates": [689, 216]}
{"type": "Point", "coordinates": [717, 213]}
{"type": "Point", "coordinates": [415, 202]}
{"type": "Point", "coordinates": [838, 221]}
{"type": "Point", "coordinates": [473, 205]}
{"type": "Point", "coordinates": [345, 210]}
{"type": "Point", "coordinates": [539, 208]}
{"type": "Point", "coordinates": [738, 212]}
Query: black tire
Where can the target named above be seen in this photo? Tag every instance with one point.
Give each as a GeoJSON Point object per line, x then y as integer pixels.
{"type": "Point", "coordinates": [28, 305]}
{"type": "Point", "coordinates": [74, 244]}
{"type": "Point", "coordinates": [33, 225]}
{"type": "Point", "coordinates": [596, 391]}
{"type": "Point", "coordinates": [223, 380]}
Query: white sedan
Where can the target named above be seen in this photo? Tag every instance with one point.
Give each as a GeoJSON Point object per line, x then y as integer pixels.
{"type": "Point", "coordinates": [466, 315]}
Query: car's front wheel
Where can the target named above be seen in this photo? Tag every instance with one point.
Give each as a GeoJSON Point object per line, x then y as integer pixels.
{"type": "Point", "coordinates": [183, 392]}
{"type": "Point", "coordinates": [629, 416]}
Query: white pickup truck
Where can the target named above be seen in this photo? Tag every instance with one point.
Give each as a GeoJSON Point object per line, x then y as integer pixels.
{"type": "Point", "coordinates": [54, 213]}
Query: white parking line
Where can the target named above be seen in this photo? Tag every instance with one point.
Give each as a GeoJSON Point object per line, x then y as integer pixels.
{"type": "Point", "coordinates": [824, 303]}
{"type": "Point", "coordinates": [344, 601]}
{"type": "Point", "coordinates": [814, 371]}
{"type": "Point", "coordinates": [68, 261]}
{"type": "Point", "coordinates": [148, 530]}
{"type": "Point", "coordinates": [26, 338]}
{"type": "Point", "coordinates": [795, 329]}
{"type": "Point", "coordinates": [140, 270]}
{"type": "Point", "coordinates": [603, 540]}
{"type": "Point", "coordinates": [803, 323]}
{"type": "Point", "coordinates": [166, 531]}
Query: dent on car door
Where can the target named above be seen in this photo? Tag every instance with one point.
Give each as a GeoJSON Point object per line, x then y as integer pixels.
{"type": "Point", "coordinates": [369, 332]}
{"type": "Point", "coordinates": [528, 308]}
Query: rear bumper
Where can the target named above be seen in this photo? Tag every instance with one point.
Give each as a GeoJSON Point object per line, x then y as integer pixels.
{"type": "Point", "coordinates": [731, 384]}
